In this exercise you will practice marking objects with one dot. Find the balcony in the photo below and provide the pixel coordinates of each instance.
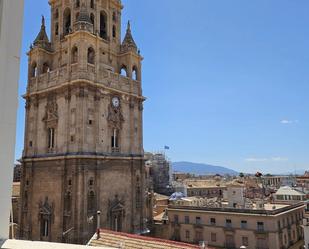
(71, 73)
(198, 226)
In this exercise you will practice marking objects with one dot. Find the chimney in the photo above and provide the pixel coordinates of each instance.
(98, 224)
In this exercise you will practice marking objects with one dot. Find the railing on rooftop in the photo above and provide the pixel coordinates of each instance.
(239, 210)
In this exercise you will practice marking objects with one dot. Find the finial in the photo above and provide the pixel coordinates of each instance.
(43, 20)
(129, 26)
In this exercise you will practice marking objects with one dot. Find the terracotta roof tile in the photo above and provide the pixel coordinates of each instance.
(130, 241)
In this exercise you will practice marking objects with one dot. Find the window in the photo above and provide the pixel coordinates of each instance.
(243, 224)
(260, 226)
(187, 219)
(198, 220)
(198, 236)
(34, 70)
(103, 25)
(77, 3)
(30, 144)
(45, 227)
(135, 73)
(92, 18)
(91, 55)
(56, 15)
(228, 223)
(115, 139)
(213, 221)
(91, 182)
(114, 31)
(56, 29)
(90, 122)
(114, 16)
(213, 237)
(46, 68)
(187, 234)
(123, 71)
(74, 55)
(261, 243)
(279, 224)
(91, 201)
(245, 241)
(92, 4)
(26, 199)
(176, 219)
(66, 21)
(68, 202)
(51, 138)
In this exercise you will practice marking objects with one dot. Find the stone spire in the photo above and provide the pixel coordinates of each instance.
(42, 40)
(128, 43)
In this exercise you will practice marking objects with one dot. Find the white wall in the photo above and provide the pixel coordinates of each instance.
(11, 18)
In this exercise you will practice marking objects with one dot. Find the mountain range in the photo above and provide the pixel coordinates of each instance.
(201, 169)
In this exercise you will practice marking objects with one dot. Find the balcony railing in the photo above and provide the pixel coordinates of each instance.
(101, 76)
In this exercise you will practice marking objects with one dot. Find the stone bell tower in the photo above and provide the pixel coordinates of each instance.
(83, 148)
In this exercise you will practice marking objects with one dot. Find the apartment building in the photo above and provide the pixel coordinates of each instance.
(271, 227)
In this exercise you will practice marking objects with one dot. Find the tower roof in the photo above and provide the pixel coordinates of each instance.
(83, 15)
(42, 39)
(128, 43)
(83, 21)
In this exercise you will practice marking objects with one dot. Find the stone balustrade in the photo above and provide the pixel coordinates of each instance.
(73, 73)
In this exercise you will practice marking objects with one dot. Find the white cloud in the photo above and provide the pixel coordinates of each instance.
(288, 121)
(279, 159)
(254, 159)
(271, 159)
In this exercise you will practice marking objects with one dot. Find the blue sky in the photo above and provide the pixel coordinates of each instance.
(226, 82)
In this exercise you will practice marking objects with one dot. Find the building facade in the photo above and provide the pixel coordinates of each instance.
(274, 227)
(83, 149)
(159, 172)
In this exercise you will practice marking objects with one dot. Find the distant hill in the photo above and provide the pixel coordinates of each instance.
(201, 169)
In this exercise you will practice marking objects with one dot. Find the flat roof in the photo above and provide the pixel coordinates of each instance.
(268, 209)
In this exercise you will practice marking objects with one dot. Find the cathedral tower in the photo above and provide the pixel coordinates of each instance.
(83, 147)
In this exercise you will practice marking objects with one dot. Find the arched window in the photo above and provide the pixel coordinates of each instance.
(103, 25)
(34, 70)
(123, 71)
(68, 202)
(66, 21)
(46, 68)
(92, 4)
(26, 200)
(74, 55)
(135, 73)
(114, 31)
(92, 18)
(77, 3)
(91, 55)
(91, 201)
(56, 29)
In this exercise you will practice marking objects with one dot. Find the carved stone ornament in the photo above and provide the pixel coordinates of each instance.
(115, 117)
(46, 209)
(51, 114)
(116, 206)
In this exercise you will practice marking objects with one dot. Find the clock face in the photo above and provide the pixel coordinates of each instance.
(116, 102)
